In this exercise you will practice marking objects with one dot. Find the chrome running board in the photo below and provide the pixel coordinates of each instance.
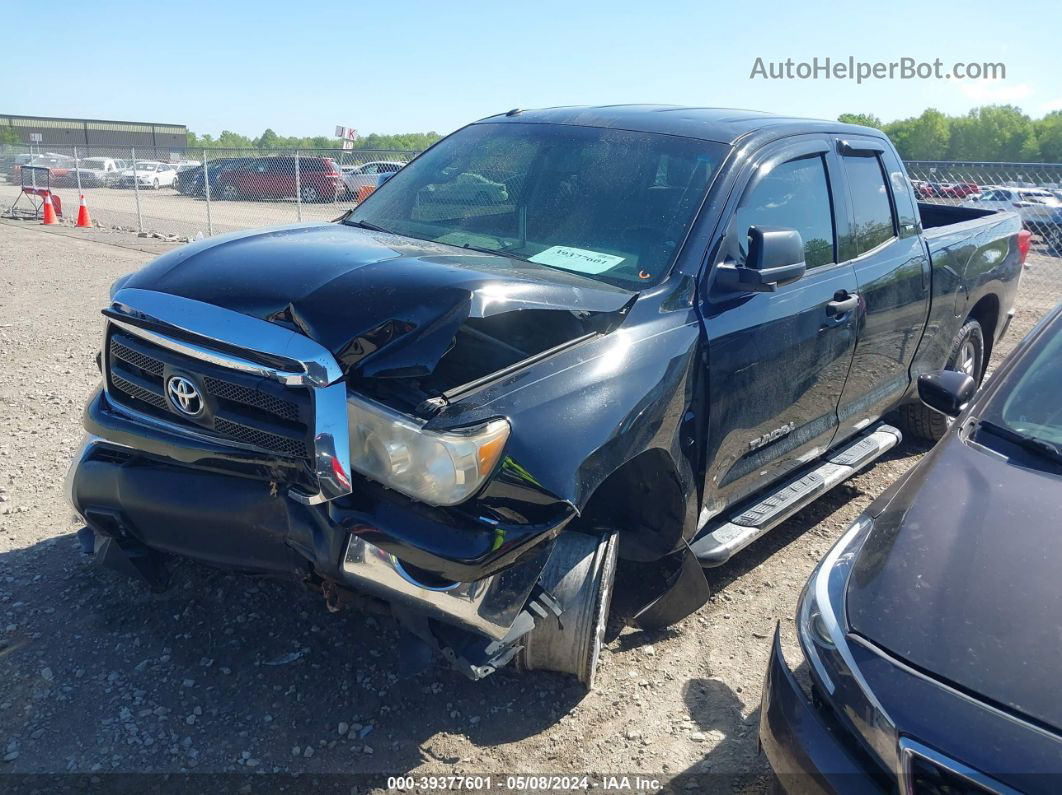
(718, 541)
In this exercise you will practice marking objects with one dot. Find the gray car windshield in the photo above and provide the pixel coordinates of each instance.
(613, 205)
(1029, 403)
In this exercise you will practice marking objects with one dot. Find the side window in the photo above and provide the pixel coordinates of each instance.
(902, 195)
(871, 208)
(794, 195)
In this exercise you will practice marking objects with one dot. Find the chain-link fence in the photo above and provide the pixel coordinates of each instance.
(1033, 190)
(191, 192)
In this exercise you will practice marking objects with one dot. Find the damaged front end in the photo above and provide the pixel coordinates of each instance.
(244, 442)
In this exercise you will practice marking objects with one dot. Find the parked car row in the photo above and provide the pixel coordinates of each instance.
(230, 178)
(944, 190)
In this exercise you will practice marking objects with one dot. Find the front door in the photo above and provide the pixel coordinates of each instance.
(777, 361)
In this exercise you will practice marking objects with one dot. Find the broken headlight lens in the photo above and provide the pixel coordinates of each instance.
(439, 468)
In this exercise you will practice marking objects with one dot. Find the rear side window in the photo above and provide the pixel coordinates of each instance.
(794, 195)
(871, 208)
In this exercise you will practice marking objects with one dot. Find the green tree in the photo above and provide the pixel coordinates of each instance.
(1049, 137)
(995, 133)
(9, 136)
(864, 119)
(268, 139)
(924, 137)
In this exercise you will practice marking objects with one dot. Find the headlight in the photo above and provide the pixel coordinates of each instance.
(822, 627)
(436, 468)
(820, 617)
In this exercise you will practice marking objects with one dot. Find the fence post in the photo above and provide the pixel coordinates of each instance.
(136, 193)
(206, 188)
(298, 188)
(77, 171)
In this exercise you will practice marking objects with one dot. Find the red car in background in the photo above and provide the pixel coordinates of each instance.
(274, 178)
(957, 190)
(58, 166)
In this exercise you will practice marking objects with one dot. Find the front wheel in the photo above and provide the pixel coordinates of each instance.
(155, 184)
(967, 356)
(579, 575)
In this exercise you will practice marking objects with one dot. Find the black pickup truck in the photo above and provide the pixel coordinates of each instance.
(561, 349)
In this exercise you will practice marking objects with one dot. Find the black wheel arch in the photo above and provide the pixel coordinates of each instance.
(651, 500)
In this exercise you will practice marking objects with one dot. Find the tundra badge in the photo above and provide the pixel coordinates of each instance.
(772, 436)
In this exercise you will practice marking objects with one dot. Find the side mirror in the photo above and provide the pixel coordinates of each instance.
(946, 391)
(776, 257)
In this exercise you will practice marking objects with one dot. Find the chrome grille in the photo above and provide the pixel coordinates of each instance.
(248, 410)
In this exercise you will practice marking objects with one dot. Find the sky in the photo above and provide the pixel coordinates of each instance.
(388, 67)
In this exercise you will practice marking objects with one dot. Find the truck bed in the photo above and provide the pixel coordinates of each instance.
(936, 216)
(972, 251)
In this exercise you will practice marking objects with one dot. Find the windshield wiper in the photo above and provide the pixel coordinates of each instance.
(496, 252)
(1042, 447)
(367, 225)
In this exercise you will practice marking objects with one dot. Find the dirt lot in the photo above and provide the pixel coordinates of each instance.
(230, 674)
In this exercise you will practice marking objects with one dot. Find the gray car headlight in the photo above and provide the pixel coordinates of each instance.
(820, 616)
(439, 468)
(823, 629)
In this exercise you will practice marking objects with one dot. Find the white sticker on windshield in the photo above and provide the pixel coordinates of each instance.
(577, 259)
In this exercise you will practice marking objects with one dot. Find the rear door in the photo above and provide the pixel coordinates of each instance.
(880, 237)
(777, 361)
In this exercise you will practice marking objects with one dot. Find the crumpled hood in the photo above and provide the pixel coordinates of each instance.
(385, 305)
(961, 578)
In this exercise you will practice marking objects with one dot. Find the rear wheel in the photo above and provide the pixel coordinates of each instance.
(967, 356)
(229, 192)
(309, 193)
(579, 574)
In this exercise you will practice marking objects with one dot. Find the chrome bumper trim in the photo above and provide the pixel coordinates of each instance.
(488, 606)
(315, 368)
(909, 749)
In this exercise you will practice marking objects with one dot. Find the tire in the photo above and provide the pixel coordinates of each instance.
(309, 193)
(229, 192)
(155, 183)
(967, 356)
(579, 573)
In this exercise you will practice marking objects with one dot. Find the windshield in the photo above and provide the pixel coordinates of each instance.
(611, 204)
(1028, 402)
(92, 162)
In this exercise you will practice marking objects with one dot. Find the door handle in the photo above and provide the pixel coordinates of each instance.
(842, 303)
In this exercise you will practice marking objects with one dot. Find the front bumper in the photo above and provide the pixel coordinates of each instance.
(808, 753)
(242, 523)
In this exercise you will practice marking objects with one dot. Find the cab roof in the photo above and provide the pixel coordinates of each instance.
(722, 125)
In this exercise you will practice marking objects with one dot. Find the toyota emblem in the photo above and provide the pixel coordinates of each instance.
(184, 396)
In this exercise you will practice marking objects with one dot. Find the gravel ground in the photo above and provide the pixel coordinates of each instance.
(234, 674)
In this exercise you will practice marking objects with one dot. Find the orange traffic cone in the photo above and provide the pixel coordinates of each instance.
(82, 214)
(49, 210)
